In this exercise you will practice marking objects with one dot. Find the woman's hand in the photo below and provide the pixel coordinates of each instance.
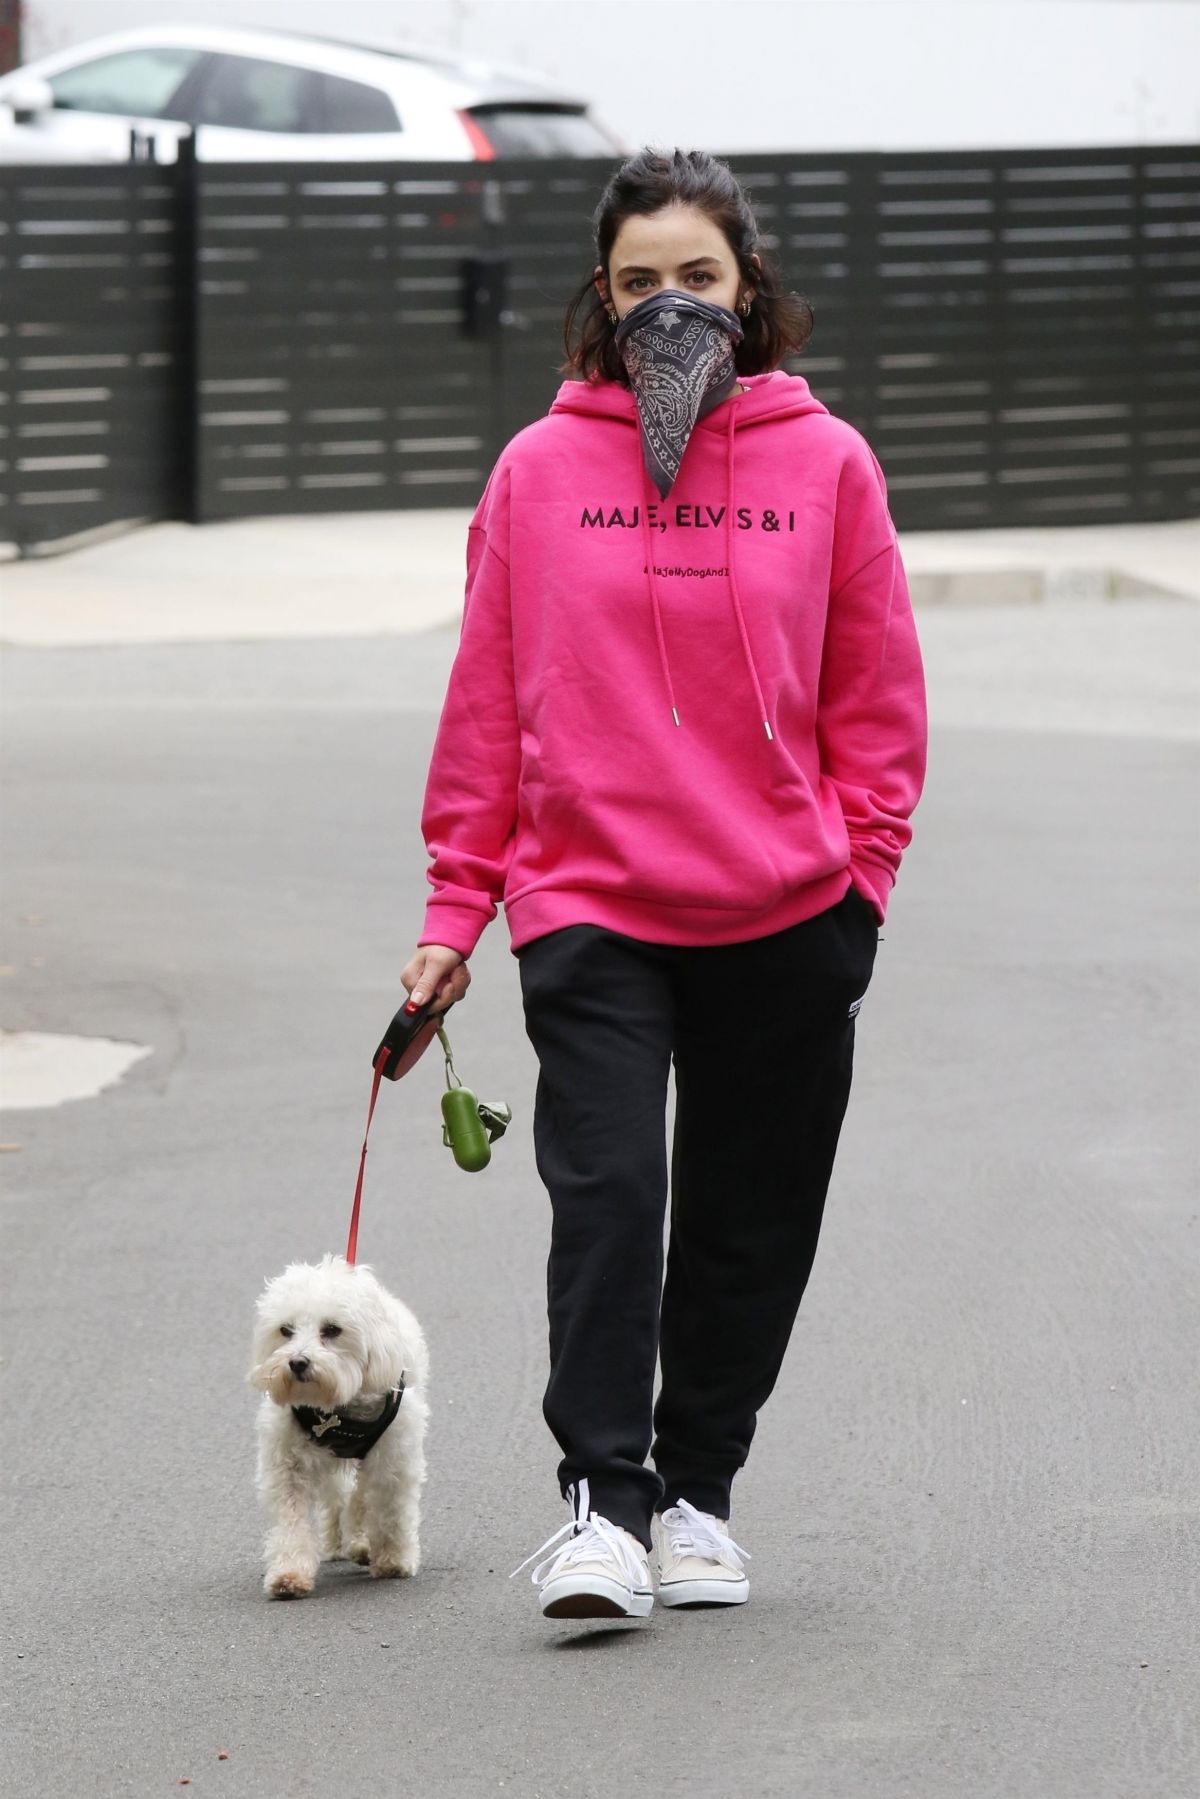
(435, 969)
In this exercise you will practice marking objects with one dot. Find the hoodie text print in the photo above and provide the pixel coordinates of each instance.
(692, 720)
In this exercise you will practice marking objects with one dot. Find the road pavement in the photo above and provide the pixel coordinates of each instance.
(973, 1500)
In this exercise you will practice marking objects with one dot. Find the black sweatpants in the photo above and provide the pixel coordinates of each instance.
(762, 1036)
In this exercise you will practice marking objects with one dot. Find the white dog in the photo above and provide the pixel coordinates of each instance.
(343, 1366)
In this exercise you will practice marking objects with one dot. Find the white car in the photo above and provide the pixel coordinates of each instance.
(274, 96)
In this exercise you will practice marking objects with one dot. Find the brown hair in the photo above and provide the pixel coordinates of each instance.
(778, 323)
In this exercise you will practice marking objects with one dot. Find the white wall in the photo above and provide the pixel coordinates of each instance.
(782, 74)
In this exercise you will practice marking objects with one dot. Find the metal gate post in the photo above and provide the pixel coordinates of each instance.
(190, 451)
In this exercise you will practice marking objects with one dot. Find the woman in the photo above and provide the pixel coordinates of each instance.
(682, 739)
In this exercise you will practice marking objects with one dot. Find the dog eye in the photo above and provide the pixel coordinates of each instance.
(285, 1330)
(331, 1330)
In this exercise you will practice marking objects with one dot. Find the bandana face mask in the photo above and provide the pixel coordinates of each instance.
(678, 351)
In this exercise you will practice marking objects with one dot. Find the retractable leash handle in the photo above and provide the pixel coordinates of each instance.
(408, 1037)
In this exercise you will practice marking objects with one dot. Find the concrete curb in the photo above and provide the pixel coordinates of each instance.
(387, 573)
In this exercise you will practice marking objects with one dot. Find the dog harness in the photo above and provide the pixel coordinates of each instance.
(348, 1438)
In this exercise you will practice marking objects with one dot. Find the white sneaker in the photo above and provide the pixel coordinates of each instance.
(698, 1561)
(601, 1571)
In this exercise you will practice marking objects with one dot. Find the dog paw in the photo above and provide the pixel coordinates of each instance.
(357, 1552)
(396, 1567)
(288, 1583)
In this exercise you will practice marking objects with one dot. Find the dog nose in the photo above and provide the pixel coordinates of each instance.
(300, 1366)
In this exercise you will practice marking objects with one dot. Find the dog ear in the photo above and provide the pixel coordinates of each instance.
(258, 1374)
(384, 1344)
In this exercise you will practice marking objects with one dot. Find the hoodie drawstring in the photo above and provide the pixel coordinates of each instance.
(658, 624)
(747, 652)
(737, 604)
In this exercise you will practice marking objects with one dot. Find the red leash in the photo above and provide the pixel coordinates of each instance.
(407, 1038)
(352, 1244)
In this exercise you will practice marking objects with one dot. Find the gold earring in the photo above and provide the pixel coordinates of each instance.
(612, 318)
(744, 309)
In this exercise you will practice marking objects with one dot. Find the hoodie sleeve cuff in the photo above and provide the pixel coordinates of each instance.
(874, 883)
(458, 927)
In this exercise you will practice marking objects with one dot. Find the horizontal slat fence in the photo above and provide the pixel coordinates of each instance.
(1016, 333)
(332, 367)
(94, 345)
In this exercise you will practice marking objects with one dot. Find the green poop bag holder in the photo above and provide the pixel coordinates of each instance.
(469, 1126)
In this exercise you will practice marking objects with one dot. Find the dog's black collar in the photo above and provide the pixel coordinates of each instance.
(349, 1438)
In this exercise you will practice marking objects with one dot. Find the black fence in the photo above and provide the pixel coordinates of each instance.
(95, 301)
(1016, 333)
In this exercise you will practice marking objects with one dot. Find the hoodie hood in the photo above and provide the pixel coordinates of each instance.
(769, 397)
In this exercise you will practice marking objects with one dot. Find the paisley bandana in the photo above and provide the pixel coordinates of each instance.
(678, 351)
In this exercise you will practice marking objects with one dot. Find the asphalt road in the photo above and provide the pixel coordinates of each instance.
(973, 1500)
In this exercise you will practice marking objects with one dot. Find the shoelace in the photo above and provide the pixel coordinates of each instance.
(697, 1533)
(589, 1535)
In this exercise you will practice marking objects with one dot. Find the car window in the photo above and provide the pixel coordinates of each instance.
(251, 94)
(534, 131)
(353, 106)
(140, 82)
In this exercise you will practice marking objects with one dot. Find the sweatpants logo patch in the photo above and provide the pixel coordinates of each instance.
(854, 1008)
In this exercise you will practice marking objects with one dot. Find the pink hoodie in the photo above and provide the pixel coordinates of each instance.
(694, 720)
